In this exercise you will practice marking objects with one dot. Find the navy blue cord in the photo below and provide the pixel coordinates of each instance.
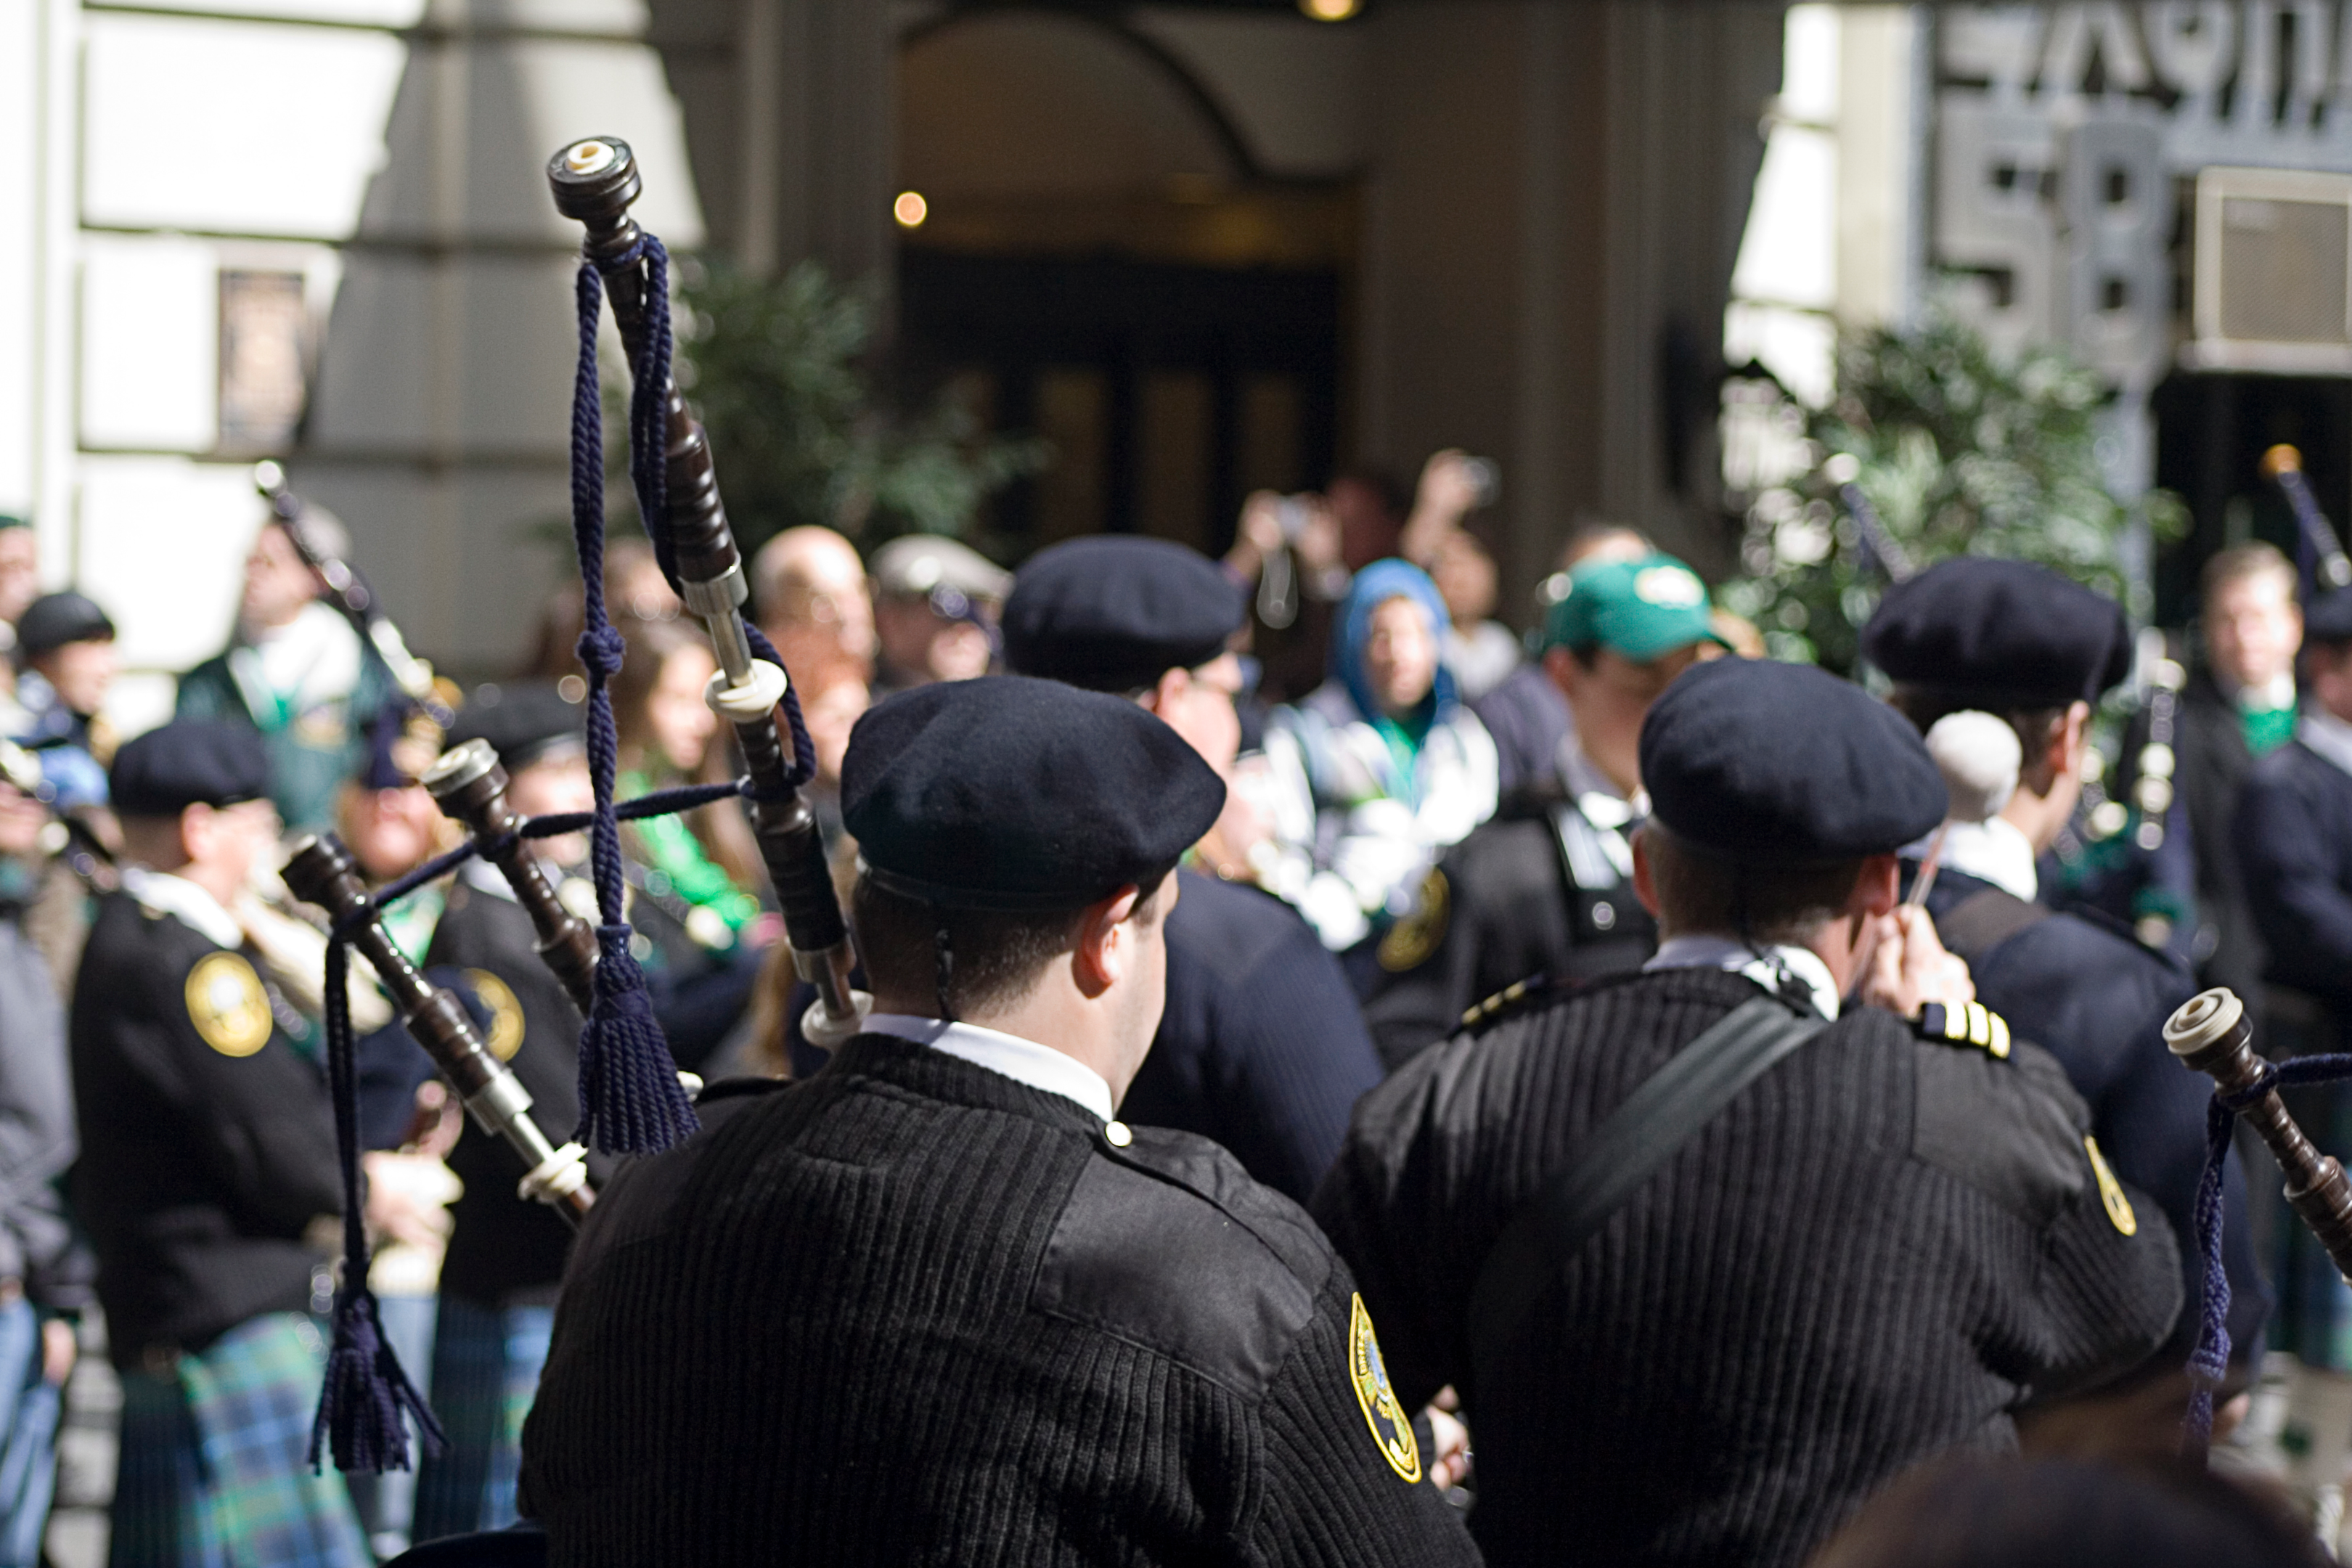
(2209, 1361)
(367, 1400)
(630, 1099)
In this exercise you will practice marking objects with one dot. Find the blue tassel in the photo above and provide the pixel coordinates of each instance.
(367, 1394)
(630, 1099)
(368, 1401)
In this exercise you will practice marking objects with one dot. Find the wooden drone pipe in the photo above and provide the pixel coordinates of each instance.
(2210, 1033)
(470, 788)
(323, 872)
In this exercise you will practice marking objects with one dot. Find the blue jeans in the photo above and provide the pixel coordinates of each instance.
(29, 1408)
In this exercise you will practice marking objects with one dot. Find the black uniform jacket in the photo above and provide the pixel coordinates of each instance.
(1540, 892)
(505, 1248)
(1882, 1247)
(207, 1140)
(2096, 1000)
(2294, 841)
(1262, 1048)
(914, 1312)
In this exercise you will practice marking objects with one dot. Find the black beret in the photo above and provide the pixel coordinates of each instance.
(186, 763)
(1783, 764)
(2329, 618)
(1116, 614)
(1019, 796)
(2002, 633)
(54, 620)
(524, 720)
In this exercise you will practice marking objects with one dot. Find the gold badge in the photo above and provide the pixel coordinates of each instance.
(505, 1012)
(1391, 1427)
(227, 1005)
(1412, 940)
(2111, 1192)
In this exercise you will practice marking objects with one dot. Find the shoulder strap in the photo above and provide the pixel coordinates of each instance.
(1982, 921)
(1662, 1113)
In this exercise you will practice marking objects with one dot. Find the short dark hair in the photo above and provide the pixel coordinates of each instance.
(1702, 893)
(995, 958)
(2239, 563)
(2036, 727)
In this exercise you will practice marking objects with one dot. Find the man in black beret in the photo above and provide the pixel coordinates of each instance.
(2024, 644)
(935, 1304)
(208, 1179)
(1713, 1249)
(1261, 1048)
(2293, 846)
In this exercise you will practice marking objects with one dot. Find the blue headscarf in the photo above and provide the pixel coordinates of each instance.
(1375, 585)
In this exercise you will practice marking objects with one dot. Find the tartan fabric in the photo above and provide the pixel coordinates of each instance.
(486, 1365)
(2313, 1320)
(213, 1470)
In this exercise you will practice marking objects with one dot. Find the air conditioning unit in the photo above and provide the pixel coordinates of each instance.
(2274, 279)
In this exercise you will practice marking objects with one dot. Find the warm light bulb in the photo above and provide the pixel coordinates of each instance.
(910, 209)
(1330, 10)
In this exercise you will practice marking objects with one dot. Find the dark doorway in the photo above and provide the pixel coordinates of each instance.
(1167, 392)
(2212, 431)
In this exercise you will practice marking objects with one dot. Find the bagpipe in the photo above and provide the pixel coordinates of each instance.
(632, 1098)
(69, 836)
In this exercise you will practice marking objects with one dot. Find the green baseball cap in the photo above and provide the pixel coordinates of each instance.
(1641, 609)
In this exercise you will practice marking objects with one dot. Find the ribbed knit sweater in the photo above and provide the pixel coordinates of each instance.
(1877, 1252)
(913, 1312)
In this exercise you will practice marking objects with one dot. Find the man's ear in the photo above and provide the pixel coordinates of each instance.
(1161, 699)
(2066, 745)
(1565, 672)
(1646, 881)
(1104, 952)
(1878, 888)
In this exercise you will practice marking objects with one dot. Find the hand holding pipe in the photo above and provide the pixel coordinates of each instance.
(595, 181)
(2210, 1033)
(323, 872)
(2283, 466)
(83, 851)
(470, 788)
(351, 596)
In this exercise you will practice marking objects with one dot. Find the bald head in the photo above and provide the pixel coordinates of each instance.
(812, 594)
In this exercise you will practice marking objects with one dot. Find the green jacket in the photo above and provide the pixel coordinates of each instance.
(311, 752)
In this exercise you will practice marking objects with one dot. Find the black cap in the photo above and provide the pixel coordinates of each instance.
(2000, 633)
(54, 620)
(1783, 764)
(1116, 614)
(189, 762)
(2329, 618)
(1019, 796)
(524, 720)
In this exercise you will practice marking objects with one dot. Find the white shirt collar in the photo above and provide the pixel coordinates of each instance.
(164, 894)
(1023, 1061)
(2327, 735)
(1764, 965)
(1995, 851)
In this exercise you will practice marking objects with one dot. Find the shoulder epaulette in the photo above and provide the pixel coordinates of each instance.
(1968, 1023)
(1510, 1000)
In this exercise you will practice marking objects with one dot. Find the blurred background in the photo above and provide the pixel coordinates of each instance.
(1027, 271)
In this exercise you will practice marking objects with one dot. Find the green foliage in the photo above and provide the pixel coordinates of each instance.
(1959, 451)
(774, 366)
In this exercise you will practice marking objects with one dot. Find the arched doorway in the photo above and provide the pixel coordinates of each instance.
(1101, 262)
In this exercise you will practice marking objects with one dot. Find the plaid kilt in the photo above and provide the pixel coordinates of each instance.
(215, 1470)
(486, 1365)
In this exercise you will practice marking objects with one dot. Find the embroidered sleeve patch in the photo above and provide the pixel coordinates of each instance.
(1391, 1427)
(227, 1005)
(1412, 939)
(505, 1012)
(2111, 1192)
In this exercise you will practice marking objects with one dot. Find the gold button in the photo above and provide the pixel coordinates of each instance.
(1117, 1135)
